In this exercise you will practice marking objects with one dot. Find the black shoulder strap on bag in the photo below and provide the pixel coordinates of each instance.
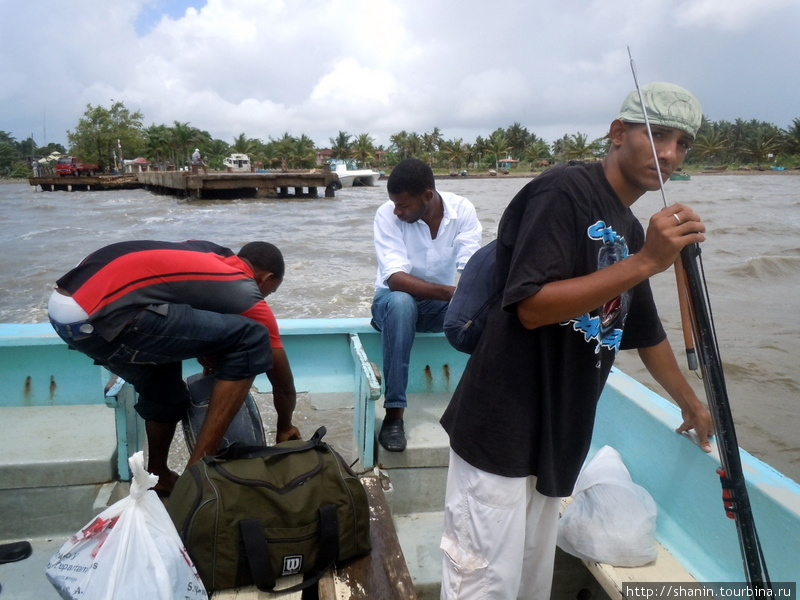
(236, 452)
(257, 551)
(255, 547)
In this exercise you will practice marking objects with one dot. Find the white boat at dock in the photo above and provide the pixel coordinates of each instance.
(350, 175)
(237, 163)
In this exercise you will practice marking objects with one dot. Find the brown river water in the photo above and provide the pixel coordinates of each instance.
(751, 260)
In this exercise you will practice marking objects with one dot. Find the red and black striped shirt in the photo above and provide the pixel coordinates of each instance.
(115, 282)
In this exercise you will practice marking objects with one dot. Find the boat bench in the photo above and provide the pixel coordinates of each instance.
(380, 574)
(612, 579)
(58, 444)
(55, 463)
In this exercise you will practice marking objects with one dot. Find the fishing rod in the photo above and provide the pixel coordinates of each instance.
(693, 294)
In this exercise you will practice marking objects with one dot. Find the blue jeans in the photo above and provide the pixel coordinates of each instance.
(398, 316)
(149, 352)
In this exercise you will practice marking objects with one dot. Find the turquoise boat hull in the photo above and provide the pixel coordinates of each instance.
(342, 357)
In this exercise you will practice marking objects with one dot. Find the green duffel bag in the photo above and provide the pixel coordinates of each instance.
(253, 514)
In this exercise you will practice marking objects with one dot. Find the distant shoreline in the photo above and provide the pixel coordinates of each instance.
(532, 174)
(692, 173)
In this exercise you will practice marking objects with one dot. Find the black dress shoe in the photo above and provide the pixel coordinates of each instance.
(14, 551)
(392, 436)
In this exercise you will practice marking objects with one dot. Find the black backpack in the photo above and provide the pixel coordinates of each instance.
(466, 315)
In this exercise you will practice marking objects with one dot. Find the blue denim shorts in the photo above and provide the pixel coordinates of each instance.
(150, 350)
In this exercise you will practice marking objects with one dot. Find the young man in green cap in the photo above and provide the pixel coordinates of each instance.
(573, 262)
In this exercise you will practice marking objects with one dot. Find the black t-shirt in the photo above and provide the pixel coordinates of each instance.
(526, 402)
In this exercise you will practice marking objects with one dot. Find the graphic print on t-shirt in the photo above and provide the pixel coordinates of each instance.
(605, 328)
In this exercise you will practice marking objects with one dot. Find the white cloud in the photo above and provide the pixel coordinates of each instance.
(731, 15)
(264, 67)
(349, 84)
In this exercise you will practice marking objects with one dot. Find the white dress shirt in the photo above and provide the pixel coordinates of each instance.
(408, 247)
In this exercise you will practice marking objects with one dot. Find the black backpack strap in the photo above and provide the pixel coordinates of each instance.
(328, 540)
(255, 547)
(236, 451)
(257, 553)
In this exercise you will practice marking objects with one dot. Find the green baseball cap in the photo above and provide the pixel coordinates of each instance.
(667, 104)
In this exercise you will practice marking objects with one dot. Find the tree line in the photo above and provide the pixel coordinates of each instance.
(104, 135)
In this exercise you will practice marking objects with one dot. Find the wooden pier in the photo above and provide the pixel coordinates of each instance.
(213, 185)
(240, 185)
(56, 183)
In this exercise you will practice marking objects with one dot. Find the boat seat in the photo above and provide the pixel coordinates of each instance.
(54, 460)
(613, 579)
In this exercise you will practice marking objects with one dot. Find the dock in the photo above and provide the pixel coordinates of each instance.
(211, 185)
(56, 183)
(239, 185)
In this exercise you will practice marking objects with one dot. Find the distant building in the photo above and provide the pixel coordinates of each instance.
(137, 165)
(324, 156)
(507, 163)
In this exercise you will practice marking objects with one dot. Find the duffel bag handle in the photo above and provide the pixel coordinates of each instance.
(236, 452)
(257, 551)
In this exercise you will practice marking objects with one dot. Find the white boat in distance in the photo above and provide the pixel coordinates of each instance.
(350, 176)
(237, 162)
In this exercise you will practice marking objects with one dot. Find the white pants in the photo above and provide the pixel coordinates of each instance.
(499, 538)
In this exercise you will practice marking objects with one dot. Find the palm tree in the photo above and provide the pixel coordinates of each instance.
(363, 149)
(577, 147)
(283, 149)
(518, 138)
(341, 145)
(400, 142)
(536, 151)
(478, 150)
(414, 145)
(157, 144)
(497, 144)
(267, 154)
(243, 145)
(302, 152)
(407, 145)
(761, 144)
(216, 151)
(561, 148)
(599, 147)
(455, 151)
(431, 143)
(183, 136)
(792, 138)
(711, 144)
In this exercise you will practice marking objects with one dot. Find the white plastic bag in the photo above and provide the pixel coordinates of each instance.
(610, 519)
(131, 551)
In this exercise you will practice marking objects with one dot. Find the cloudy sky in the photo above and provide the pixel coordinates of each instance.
(317, 67)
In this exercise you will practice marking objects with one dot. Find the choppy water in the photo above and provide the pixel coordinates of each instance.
(751, 259)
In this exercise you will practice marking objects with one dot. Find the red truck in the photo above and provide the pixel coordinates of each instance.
(69, 165)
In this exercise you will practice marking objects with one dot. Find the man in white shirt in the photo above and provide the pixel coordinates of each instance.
(421, 238)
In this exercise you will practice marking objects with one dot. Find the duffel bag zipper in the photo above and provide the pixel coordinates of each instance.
(293, 484)
(187, 525)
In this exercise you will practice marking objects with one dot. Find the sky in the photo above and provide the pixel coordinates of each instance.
(318, 67)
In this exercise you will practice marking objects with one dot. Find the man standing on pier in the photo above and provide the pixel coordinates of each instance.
(140, 308)
(422, 237)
